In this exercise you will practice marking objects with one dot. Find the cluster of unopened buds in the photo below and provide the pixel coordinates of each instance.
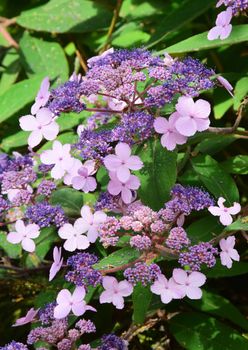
(110, 91)
(223, 26)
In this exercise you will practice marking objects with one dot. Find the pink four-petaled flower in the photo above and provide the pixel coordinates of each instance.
(171, 137)
(223, 212)
(228, 253)
(29, 317)
(68, 302)
(122, 162)
(57, 262)
(59, 157)
(191, 116)
(223, 27)
(84, 180)
(167, 289)
(126, 189)
(89, 223)
(189, 282)
(24, 235)
(74, 237)
(115, 291)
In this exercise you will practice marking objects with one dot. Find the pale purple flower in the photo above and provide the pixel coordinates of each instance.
(167, 289)
(94, 59)
(220, 2)
(191, 116)
(72, 172)
(171, 137)
(168, 60)
(68, 302)
(60, 157)
(228, 253)
(116, 105)
(126, 189)
(223, 27)
(225, 83)
(115, 291)
(24, 235)
(89, 223)
(13, 192)
(223, 212)
(42, 96)
(122, 162)
(29, 317)
(83, 180)
(189, 282)
(42, 126)
(73, 234)
(57, 262)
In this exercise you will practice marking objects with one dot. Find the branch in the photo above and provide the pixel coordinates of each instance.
(8, 37)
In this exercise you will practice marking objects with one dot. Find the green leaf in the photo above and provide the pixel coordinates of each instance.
(12, 67)
(13, 250)
(215, 143)
(130, 34)
(118, 258)
(196, 331)
(200, 41)
(240, 91)
(223, 101)
(204, 229)
(238, 268)
(217, 305)
(43, 57)
(18, 96)
(186, 12)
(240, 224)
(236, 165)
(135, 10)
(142, 297)
(215, 179)
(67, 137)
(61, 16)
(158, 174)
(69, 199)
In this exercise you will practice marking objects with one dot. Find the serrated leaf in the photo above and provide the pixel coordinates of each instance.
(43, 57)
(216, 180)
(196, 331)
(61, 16)
(158, 174)
(217, 305)
(200, 41)
(118, 258)
(142, 297)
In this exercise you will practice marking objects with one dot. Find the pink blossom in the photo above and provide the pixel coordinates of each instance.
(228, 252)
(60, 157)
(167, 289)
(24, 235)
(171, 137)
(122, 162)
(191, 116)
(168, 60)
(73, 234)
(220, 2)
(42, 126)
(30, 316)
(225, 83)
(42, 96)
(223, 212)
(94, 59)
(223, 27)
(57, 262)
(189, 282)
(90, 222)
(115, 291)
(116, 187)
(116, 105)
(72, 172)
(68, 302)
(83, 180)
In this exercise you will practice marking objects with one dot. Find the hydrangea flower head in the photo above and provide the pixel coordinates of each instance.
(57, 262)
(192, 116)
(228, 253)
(115, 291)
(223, 27)
(59, 157)
(41, 126)
(122, 162)
(189, 282)
(73, 234)
(223, 212)
(68, 302)
(24, 235)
